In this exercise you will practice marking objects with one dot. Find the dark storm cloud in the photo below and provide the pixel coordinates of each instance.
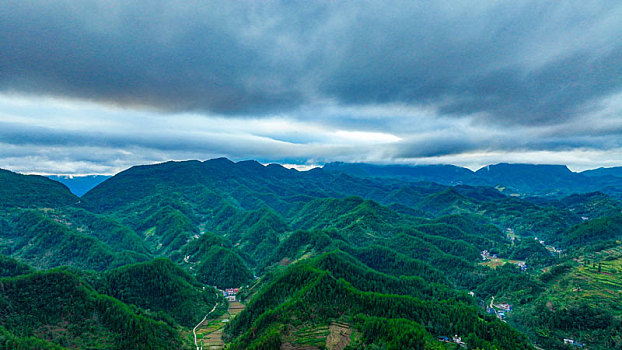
(553, 93)
(170, 56)
(502, 61)
(531, 63)
(455, 143)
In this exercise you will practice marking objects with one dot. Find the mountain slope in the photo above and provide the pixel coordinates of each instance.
(534, 178)
(442, 174)
(597, 230)
(55, 306)
(45, 243)
(305, 296)
(160, 286)
(10, 267)
(613, 171)
(30, 191)
(214, 261)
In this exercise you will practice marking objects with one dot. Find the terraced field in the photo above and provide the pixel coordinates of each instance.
(306, 338)
(336, 336)
(602, 279)
(209, 333)
(597, 280)
(235, 307)
(583, 303)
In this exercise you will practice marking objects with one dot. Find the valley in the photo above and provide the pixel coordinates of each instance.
(209, 332)
(225, 255)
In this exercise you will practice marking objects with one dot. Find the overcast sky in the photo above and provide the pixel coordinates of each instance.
(93, 87)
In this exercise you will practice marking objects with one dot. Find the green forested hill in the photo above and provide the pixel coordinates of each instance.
(214, 262)
(318, 292)
(10, 267)
(45, 242)
(32, 191)
(161, 287)
(138, 306)
(580, 300)
(105, 228)
(325, 256)
(590, 205)
(55, 306)
(257, 231)
(605, 229)
(246, 185)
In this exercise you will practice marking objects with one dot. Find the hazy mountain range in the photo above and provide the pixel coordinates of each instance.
(518, 179)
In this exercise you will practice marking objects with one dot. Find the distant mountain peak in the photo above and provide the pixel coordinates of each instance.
(250, 164)
(219, 161)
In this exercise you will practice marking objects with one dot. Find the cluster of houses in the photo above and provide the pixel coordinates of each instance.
(455, 339)
(549, 248)
(230, 293)
(510, 234)
(573, 343)
(487, 256)
(500, 310)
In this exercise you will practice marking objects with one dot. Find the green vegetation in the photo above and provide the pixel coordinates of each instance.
(392, 333)
(104, 228)
(590, 205)
(581, 301)
(32, 191)
(223, 268)
(594, 231)
(533, 252)
(10, 341)
(365, 258)
(258, 231)
(214, 262)
(168, 229)
(10, 267)
(162, 288)
(47, 242)
(304, 295)
(55, 306)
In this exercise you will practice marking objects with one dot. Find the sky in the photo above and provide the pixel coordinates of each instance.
(94, 87)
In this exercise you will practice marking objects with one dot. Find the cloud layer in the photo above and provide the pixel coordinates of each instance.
(305, 82)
